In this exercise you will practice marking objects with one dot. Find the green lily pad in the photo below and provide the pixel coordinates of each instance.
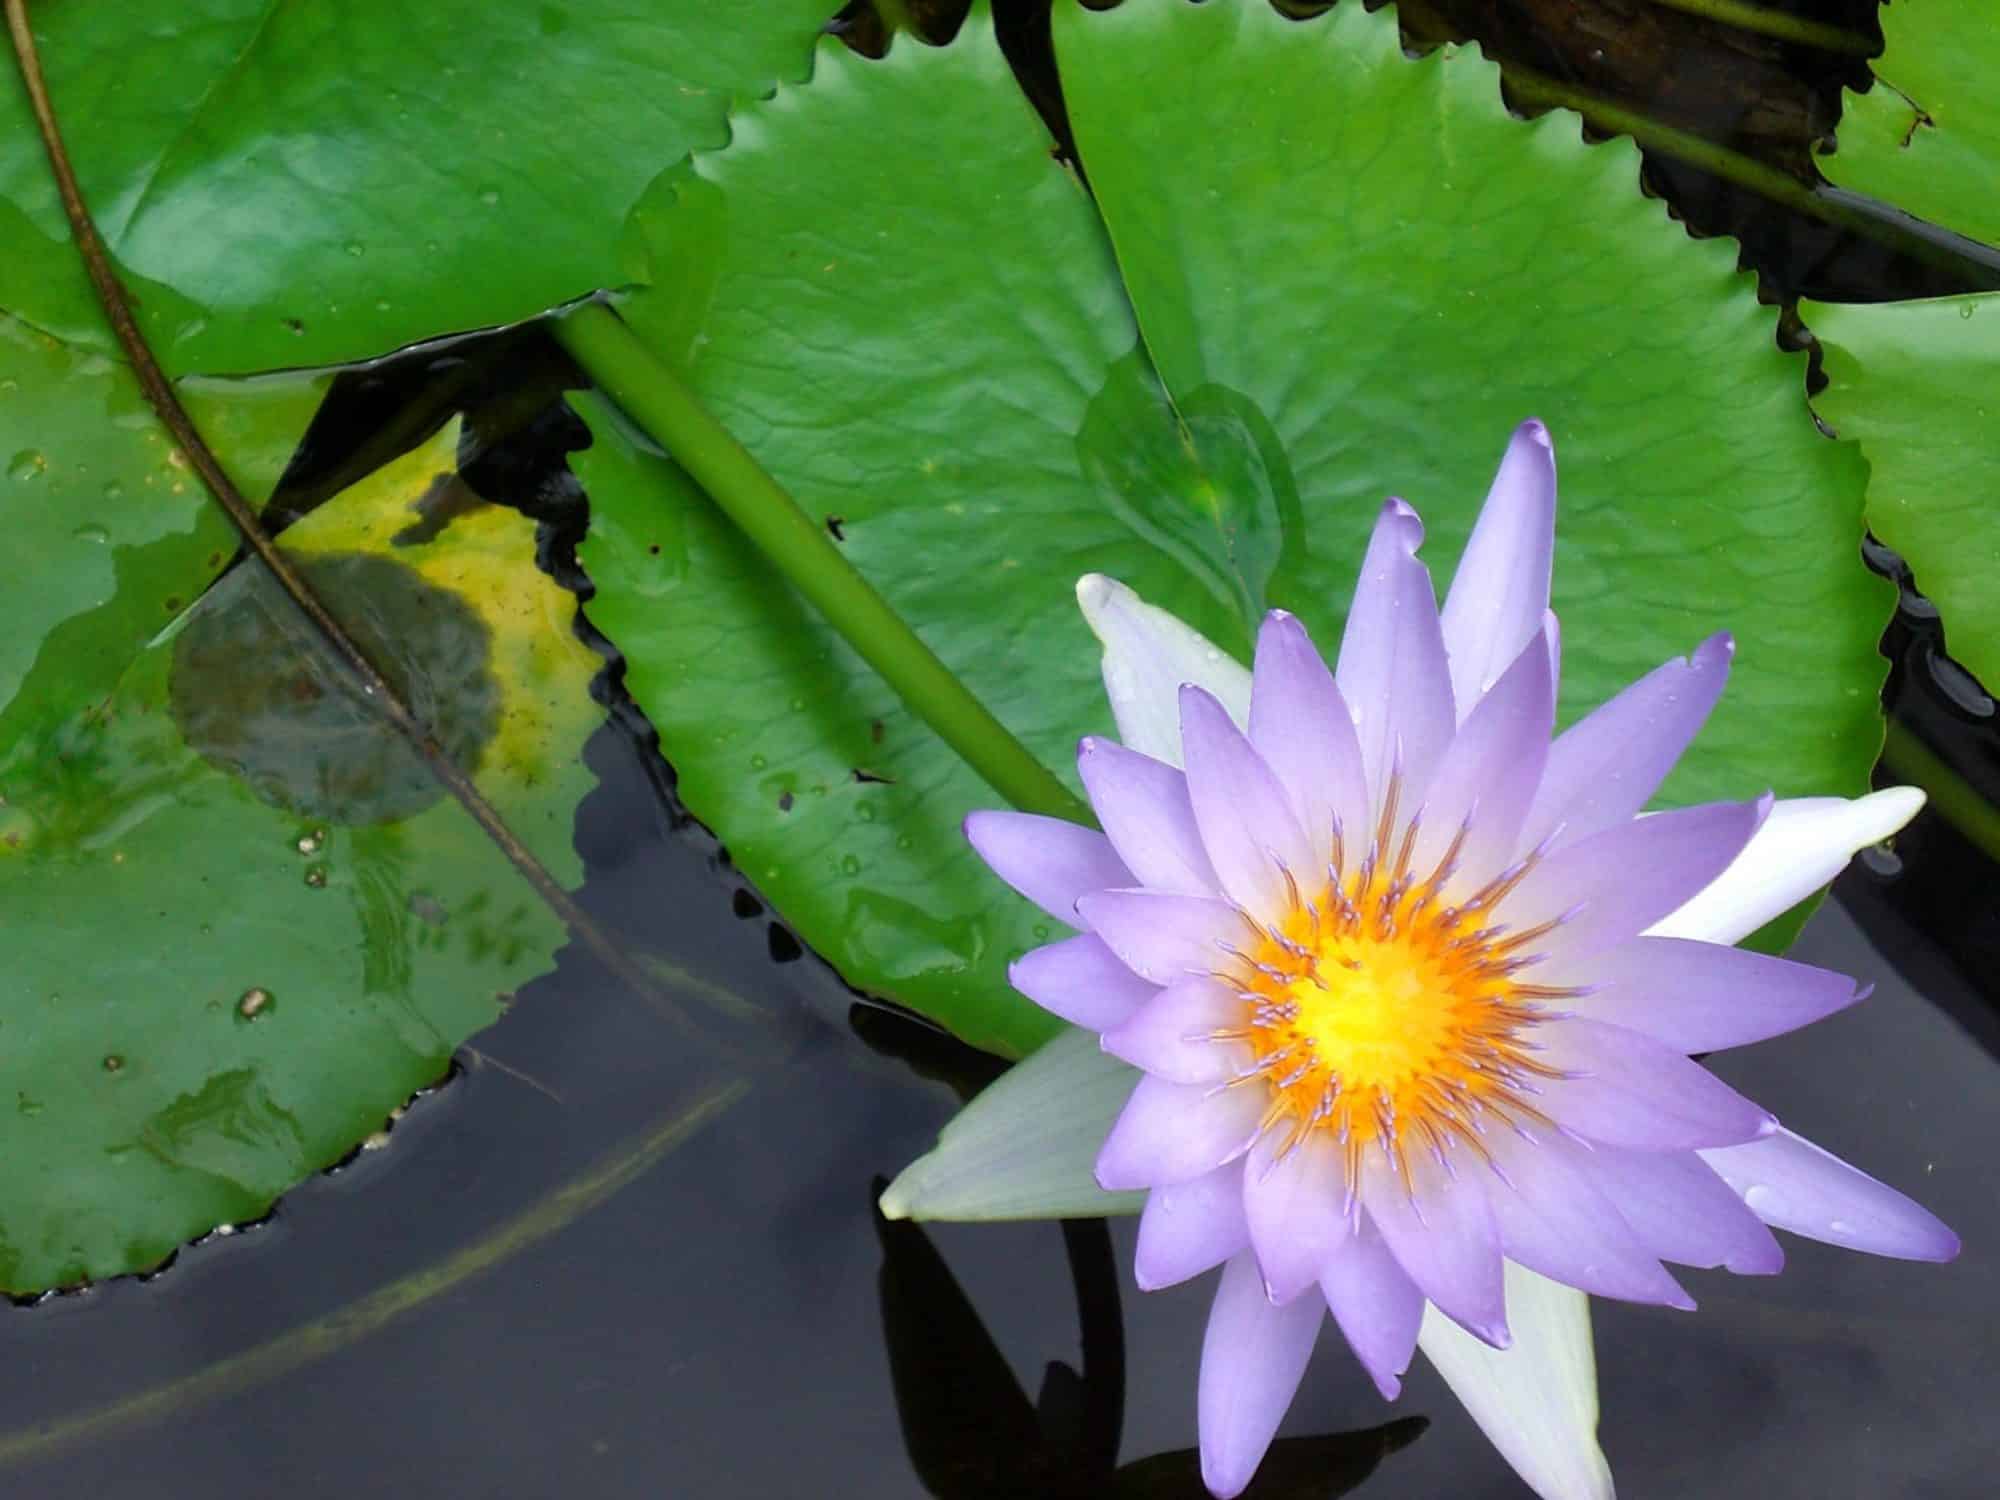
(241, 930)
(1917, 385)
(299, 185)
(1354, 274)
(1926, 137)
(115, 531)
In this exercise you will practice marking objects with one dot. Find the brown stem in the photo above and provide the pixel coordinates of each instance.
(166, 404)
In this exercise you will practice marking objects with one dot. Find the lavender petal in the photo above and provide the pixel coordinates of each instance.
(1683, 1212)
(1048, 860)
(1148, 820)
(1300, 724)
(1175, 1132)
(1293, 1202)
(1792, 1184)
(1613, 885)
(1501, 588)
(1445, 1239)
(1488, 774)
(1252, 1359)
(1190, 1227)
(1702, 997)
(1607, 765)
(1393, 672)
(1246, 820)
(1164, 937)
(1554, 1220)
(1082, 981)
(1379, 1309)
(1626, 1089)
(1168, 1036)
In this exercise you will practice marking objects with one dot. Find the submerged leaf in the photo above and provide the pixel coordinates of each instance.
(1333, 311)
(229, 956)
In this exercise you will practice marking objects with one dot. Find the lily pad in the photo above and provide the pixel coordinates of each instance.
(116, 531)
(229, 958)
(1354, 274)
(1917, 385)
(1925, 136)
(299, 185)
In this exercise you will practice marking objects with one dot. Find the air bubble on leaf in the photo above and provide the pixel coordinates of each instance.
(255, 1002)
(850, 865)
(316, 877)
(27, 464)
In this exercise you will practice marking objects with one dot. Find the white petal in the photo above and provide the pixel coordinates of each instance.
(1148, 654)
(1537, 1401)
(1802, 845)
(1025, 1147)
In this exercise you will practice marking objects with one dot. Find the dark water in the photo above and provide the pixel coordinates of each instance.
(733, 1321)
(604, 1261)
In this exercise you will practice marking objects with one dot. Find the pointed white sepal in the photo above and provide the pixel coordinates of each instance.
(1536, 1400)
(1801, 846)
(1148, 655)
(1025, 1147)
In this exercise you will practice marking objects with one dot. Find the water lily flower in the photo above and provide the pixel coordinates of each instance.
(1411, 992)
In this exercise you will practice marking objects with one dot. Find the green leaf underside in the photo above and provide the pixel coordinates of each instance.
(1340, 309)
(297, 185)
(1917, 385)
(1926, 137)
(182, 842)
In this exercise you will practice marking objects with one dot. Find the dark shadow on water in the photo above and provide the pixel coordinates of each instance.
(973, 1434)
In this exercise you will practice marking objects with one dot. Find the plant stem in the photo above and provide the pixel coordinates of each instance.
(655, 396)
(1957, 801)
(1761, 19)
(1979, 263)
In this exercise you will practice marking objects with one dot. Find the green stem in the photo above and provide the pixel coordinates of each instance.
(1908, 758)
(1761, 19)
(1848, 211)
(654, 395)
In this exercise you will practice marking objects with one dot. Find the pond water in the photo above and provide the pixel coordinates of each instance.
(605, 1258)
(729, 1318)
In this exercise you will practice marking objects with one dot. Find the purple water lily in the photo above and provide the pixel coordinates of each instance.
(1412, 989)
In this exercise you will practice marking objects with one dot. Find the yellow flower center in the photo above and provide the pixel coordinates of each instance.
(1385, 1017)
